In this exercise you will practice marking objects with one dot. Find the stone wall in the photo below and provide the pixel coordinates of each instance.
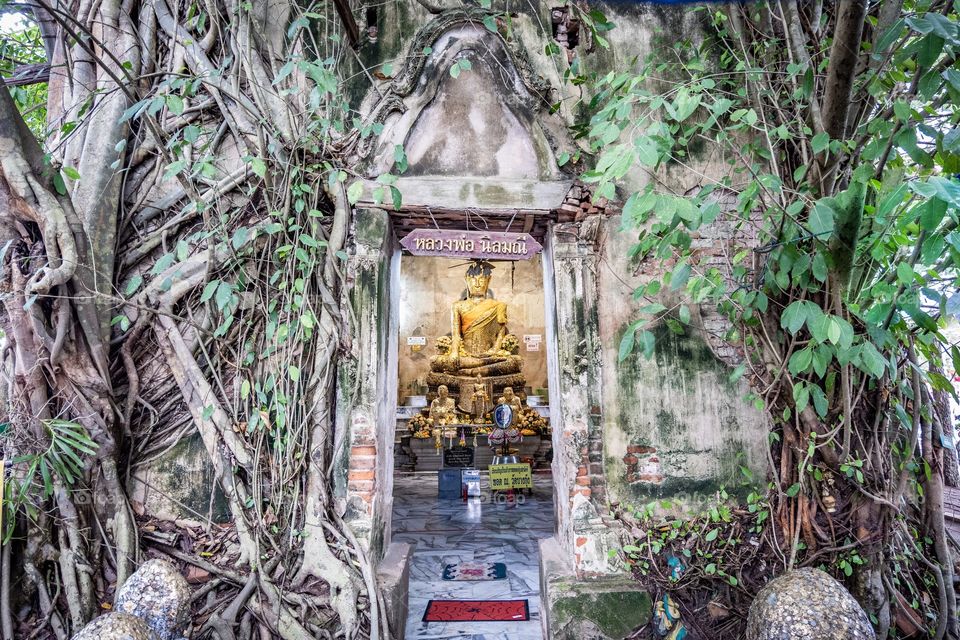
(430, 286)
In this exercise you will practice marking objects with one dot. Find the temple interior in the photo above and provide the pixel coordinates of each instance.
(472, 337)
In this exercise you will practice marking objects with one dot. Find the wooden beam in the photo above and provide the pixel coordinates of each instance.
(349, 23)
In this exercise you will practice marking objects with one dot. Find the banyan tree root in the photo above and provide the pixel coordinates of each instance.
(136, 295)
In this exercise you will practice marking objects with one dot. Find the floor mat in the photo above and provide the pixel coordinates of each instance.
(477, 611)
(475, 571)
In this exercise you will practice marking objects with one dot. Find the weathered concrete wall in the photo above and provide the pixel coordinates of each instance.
(430, 286)
(675, 426)
(366, 391)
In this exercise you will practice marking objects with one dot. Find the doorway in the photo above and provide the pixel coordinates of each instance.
(483, 547)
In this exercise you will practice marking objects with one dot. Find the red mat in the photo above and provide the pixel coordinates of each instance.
(477, 611)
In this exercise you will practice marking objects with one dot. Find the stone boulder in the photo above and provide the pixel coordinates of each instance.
(807, 604)
(157, 594)
(117, 626)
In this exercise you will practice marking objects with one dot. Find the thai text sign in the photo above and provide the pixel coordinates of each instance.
(510, 476)
(485, 245)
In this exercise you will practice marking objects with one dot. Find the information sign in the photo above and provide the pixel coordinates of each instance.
(510, 476)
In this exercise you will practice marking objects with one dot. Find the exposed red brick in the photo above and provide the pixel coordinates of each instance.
(360, 485)
(363, 462)
(581, 541)
(630, 459)
(639, 448)
(361, 475)
(363, 451)
(583, 480)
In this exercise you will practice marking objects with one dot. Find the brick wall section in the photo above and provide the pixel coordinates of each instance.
(714, 246)
(579, 204)
(594, 462)
(362, 472)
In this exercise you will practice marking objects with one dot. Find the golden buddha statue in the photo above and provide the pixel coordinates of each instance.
(479, 327)
(443, 410)
(479, 401)
(479, 345)
(512, 399)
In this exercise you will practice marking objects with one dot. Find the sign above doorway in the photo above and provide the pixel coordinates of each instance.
(480, 245)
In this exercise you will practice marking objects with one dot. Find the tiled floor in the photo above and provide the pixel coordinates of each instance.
(448, 531)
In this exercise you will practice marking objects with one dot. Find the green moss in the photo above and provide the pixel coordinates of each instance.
(371, 227)
(188, 459)
(615, 613)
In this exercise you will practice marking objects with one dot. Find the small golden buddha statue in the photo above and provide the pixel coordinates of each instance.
(478, 330)
(512, 399)
(443, 410)
(479, 401)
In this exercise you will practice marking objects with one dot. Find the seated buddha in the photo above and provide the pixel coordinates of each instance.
(478, 332)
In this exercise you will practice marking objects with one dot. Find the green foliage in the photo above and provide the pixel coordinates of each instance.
(879, 238)
(20, 44)
(59, 464)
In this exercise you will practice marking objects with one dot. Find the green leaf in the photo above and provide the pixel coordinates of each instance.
(801, 396)
(490, 23)
(71, 173)
(905, 274)
(134, 283)
(627, 342)
(680, 276)
(240, 237)
(711, 535)
(821, 220)
(209, 290)
(162, 263)
(793, 490)
(737, 373)
(223, 294)
(834, 330)
(800, 361)
(871, 361)
(174, 104)
(794, 316)
(258, 166)
(819, 268)
(647, 343)
(820, 142)
(354, 191)
(59, 184)
(647, 151)
(294, 373)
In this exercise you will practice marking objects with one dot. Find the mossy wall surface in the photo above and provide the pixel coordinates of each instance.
(181, 484)
(675, 425)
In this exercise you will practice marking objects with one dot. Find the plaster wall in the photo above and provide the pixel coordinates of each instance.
(675, 425)
(429, 287)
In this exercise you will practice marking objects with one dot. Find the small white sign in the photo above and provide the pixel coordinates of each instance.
(417, 341)
(533, 341)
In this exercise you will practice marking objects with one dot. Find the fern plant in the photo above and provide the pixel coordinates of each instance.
(61, 461)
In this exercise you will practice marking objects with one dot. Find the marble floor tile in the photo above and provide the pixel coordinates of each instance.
(449, 531)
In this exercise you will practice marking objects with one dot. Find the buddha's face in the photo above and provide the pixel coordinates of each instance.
(508, 394)
(477, 285)
(442, 391)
